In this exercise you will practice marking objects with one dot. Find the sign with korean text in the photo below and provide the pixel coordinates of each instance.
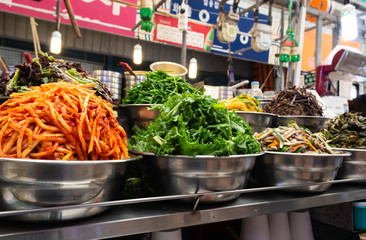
(167, 31)
(101, 15)
(207, 11)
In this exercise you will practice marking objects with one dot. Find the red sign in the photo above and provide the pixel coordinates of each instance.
(102, 15)
(167, 31)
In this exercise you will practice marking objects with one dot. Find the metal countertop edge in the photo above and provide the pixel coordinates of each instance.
(123, 220)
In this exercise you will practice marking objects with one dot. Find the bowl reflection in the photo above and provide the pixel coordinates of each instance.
(29, 184)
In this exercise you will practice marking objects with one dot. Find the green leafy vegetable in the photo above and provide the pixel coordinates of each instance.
(191, 124)
(157, 88)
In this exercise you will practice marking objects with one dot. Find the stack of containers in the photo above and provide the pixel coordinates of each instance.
(112, 81)
(131, 80)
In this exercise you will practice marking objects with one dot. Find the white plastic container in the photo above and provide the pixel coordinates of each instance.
(175, 234)
(300, 225)
(255, 91)
(255, 228)
(279, 227)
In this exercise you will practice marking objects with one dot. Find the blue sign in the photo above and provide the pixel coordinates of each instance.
(207, 11)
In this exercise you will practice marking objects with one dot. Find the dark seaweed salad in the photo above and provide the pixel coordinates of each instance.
(48, 69)
(347, 130)
(191, 124)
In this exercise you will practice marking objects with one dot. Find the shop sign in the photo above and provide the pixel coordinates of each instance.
(101, 15)
(207, 11)
(167, 31)
(309, 79)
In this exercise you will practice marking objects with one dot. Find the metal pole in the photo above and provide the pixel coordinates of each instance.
(183, 55)
(247, 10)
(314, 27)
(300, 29)
(318, 41)
(335, 35)
(280, 83)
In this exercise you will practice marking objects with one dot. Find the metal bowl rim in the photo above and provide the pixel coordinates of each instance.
(137, 105)
(72, 162)
(198, 156)
(255, 113)
(355, 163)
(350, 149)
(302, 116)
(152, 65)
(345, 154)
(138, 72)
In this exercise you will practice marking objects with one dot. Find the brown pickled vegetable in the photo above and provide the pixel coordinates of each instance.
(294, 101)
(346, 131)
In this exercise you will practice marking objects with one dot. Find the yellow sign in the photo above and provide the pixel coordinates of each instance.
(321, 5)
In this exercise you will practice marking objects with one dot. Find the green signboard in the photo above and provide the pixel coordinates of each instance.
(309, 79)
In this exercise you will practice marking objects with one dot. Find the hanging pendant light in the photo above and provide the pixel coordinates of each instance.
(192, 69)
(137, 54)
(56, 42)
(349, 29)
(56, 37)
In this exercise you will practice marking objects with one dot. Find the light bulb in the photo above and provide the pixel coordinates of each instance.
(137, 54)
(192, 70)
(56, 42)
(349, 28)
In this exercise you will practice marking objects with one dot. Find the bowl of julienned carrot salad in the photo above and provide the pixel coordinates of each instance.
(60, 144)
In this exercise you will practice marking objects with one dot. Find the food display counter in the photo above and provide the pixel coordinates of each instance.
(150, 215)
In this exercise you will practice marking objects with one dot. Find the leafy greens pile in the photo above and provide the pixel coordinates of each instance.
(191, 124)
(347, 130)
(48, 69)
(158, 87)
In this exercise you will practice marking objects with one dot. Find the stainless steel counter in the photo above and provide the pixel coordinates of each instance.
(153, 216)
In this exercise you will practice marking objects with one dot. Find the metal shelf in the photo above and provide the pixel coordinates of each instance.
(154, 216)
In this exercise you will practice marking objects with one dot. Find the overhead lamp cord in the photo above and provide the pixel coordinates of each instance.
(58, 15)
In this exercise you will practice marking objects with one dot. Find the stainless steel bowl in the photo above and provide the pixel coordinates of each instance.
(286, 169)
(29, 184)
(354, 166)
(170, 175)
(130, 115)
(112, 80)
(131, 80)
(257, 120)
(172, 68)
(263, 102)
(313, 123)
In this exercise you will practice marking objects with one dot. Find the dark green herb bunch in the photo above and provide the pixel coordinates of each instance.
(191, 124)
(157, 88)
(347, 130)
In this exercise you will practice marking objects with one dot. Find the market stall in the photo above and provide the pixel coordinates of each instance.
(102, 154)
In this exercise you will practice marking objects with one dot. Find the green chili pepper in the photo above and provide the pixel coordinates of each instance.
(278, 135)
(299, 149)
(284, 149)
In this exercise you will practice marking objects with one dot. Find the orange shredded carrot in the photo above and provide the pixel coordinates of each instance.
(297, 147)
(60, 121)
(275, 143)
(311, 145)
